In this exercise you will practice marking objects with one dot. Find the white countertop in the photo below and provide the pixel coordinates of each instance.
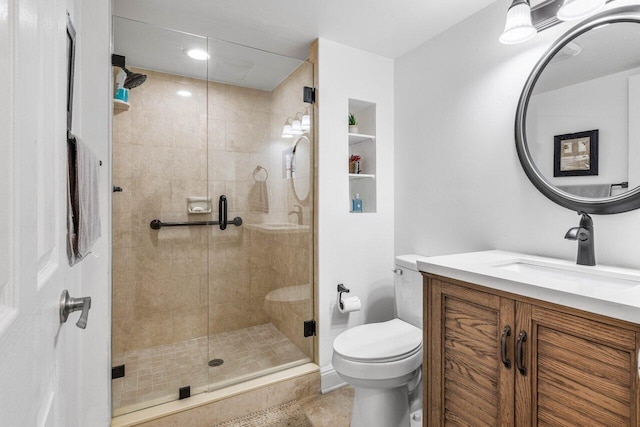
(609, 291)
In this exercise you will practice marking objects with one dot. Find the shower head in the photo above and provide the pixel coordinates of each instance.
(133, 79)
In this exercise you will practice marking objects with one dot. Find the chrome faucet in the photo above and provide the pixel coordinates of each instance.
(584, 235)
(298, 212)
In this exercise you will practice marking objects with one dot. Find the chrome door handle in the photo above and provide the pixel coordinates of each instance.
(69, 305)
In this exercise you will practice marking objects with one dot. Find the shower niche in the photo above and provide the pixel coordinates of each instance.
(198, 306)
(362, 146)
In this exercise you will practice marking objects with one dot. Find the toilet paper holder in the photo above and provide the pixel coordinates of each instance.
(341, 289)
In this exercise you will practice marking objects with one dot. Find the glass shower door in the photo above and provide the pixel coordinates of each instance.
(160, 291)
(260, 273)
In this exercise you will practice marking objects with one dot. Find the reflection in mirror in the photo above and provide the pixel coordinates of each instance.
(301, 165)
(591, 83)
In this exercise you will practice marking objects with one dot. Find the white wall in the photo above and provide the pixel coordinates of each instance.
(354, 249)
(459, 184)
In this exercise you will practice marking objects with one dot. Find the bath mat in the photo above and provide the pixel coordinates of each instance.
(287, 415)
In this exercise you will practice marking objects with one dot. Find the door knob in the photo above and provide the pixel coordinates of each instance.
(69, 305)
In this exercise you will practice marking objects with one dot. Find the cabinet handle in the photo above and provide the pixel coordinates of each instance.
(506, 332)
(522, 338)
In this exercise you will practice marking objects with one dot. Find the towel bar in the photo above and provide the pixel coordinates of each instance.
(156, 224)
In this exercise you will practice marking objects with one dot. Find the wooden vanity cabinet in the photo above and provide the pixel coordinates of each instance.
(575, 369)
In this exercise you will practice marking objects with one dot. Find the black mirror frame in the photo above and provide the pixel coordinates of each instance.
(616, 204)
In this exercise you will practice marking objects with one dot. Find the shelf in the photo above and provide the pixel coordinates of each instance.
(356, 138)
(361, 176)
(362, 143)
(120, 105)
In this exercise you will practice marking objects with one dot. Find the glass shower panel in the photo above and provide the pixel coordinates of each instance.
(160, 284)
(261, 272)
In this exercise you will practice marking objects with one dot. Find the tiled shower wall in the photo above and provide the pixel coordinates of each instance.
(159, 156)
(160, 289)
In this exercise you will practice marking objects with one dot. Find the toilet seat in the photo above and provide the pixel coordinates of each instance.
(382, 342)
(388, 353)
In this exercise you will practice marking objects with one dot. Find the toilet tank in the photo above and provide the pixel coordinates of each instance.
(408, 289)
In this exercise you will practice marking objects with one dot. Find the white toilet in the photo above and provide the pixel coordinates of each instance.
(383, 360)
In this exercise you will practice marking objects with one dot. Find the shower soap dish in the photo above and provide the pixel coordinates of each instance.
(199, 205)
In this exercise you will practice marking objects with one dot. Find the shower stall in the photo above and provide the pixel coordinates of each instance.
(213, 226)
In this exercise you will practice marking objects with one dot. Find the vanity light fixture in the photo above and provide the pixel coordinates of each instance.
(578, 9)
(197, 54)
(524, 21)
(184, 93)
(518, 27)
(297, 125)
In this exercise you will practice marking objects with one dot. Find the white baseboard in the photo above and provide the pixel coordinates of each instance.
(329, 379)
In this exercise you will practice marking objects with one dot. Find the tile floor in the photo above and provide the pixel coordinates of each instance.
(330, 410)
(154, 375)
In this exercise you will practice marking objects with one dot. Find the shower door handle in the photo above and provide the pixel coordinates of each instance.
(222, 212)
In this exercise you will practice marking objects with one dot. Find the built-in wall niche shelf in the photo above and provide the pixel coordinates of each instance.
(356, 138)
(363, 145)
(361, 176)
(120, 106)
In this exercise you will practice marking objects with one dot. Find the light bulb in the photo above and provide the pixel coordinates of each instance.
(286, 131)
(296, 127)
(518, 27)
(198, 54)
(305, 123)
(578, 9)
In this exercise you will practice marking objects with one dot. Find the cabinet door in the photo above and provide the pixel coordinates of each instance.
(468, 383)
(583, 372)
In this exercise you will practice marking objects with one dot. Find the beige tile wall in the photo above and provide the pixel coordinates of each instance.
(167, 283)
(159, 278)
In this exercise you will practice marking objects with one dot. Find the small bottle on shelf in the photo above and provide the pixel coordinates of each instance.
(356, 204)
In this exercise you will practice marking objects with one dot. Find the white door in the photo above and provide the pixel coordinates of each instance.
(44, 378)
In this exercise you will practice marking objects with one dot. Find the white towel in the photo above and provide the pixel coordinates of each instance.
(84, 211)
(260, 197)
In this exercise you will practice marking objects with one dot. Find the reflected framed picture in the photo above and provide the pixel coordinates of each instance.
(575, 154)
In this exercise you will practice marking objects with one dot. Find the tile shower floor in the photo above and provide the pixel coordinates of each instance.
(154, 375)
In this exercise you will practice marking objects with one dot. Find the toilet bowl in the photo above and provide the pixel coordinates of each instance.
(379, 360)
(383, 360)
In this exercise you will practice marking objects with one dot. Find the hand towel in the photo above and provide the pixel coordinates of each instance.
(260, 197)
(591, 191)
(83, 220)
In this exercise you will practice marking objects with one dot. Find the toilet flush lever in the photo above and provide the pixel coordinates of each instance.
(397, 271)
(69, 305)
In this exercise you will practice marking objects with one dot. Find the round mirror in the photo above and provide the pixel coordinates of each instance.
(575, 134)
(301, 168)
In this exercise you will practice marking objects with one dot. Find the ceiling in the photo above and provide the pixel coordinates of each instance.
(153, 48)
(384, 27)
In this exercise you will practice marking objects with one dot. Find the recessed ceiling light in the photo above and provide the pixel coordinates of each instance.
(198, 54)
(183, 93)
